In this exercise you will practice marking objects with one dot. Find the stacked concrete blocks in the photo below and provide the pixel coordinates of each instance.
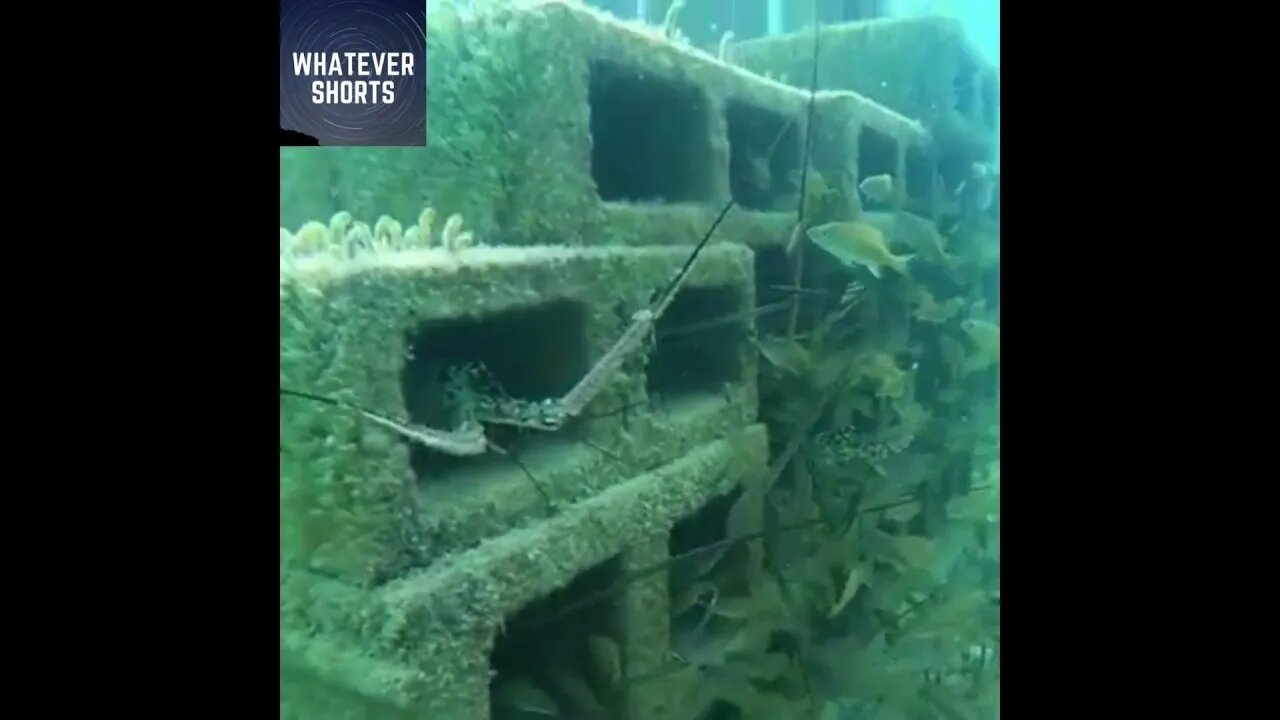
(368, 511)
(924, 68)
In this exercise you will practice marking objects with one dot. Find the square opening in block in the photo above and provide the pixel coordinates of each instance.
(955, 166)
(531, 355)
(545, 650)
(920, 181)
(774, 280)
(764, 157)
(966, 88)
(989, 103)
(650, 137)
(705, 527)
(704, 566)
(877, 155)
(699, 348)
(776, 287)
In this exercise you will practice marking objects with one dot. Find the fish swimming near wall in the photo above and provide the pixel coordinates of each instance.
(977, 192)
(878, 188)
(985, 337)
(858, 244)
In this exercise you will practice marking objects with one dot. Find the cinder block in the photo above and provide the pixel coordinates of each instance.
(420, 645)
(383, 333)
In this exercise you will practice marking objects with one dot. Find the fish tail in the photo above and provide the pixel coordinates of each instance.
(900, 263)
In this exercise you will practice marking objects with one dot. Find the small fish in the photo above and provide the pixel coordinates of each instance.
(857, 243)
(817, 191)
(786, 354)
(878, 188)
(606, 657)
(852, 584)
(922, 235)
(928, 309)
(985, 336)
(977, 192)
(881, 368)
(759, 174)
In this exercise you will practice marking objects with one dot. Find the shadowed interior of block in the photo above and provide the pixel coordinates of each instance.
(649, 137)
(759, 179)
(547, 643)
(699, 344)
(529, 354)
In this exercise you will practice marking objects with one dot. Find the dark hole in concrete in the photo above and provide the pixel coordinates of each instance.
(966, 86)
(722, 710)
(773, 276)
(877, 155)
(533, 354)
(549, 635)
(689, 569)
(699, 344)
(920, 174)
(989, 103)
(707, 525)
(775, 287)
(697, 580)
(650, 137)
(955, 165)
(758, 179)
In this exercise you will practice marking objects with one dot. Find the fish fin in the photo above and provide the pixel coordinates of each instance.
(875, 271)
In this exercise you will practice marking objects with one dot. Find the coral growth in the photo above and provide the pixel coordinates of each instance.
(347, 238)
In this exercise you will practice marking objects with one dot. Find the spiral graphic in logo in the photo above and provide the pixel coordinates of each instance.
(353, 72)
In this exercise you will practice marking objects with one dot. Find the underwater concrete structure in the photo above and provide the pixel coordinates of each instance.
(586, 156)
(922, 67)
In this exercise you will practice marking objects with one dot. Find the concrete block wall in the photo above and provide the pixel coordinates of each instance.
(364, 511)
(587, 155)
(922, 67)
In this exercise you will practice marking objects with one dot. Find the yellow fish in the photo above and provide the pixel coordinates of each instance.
(880, 367)
(922, 235)
(816, 191)
(985, 337)
(606, 657)
(857, 243)
(928, 309)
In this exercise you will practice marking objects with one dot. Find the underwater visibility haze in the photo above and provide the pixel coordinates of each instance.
(663, 383)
